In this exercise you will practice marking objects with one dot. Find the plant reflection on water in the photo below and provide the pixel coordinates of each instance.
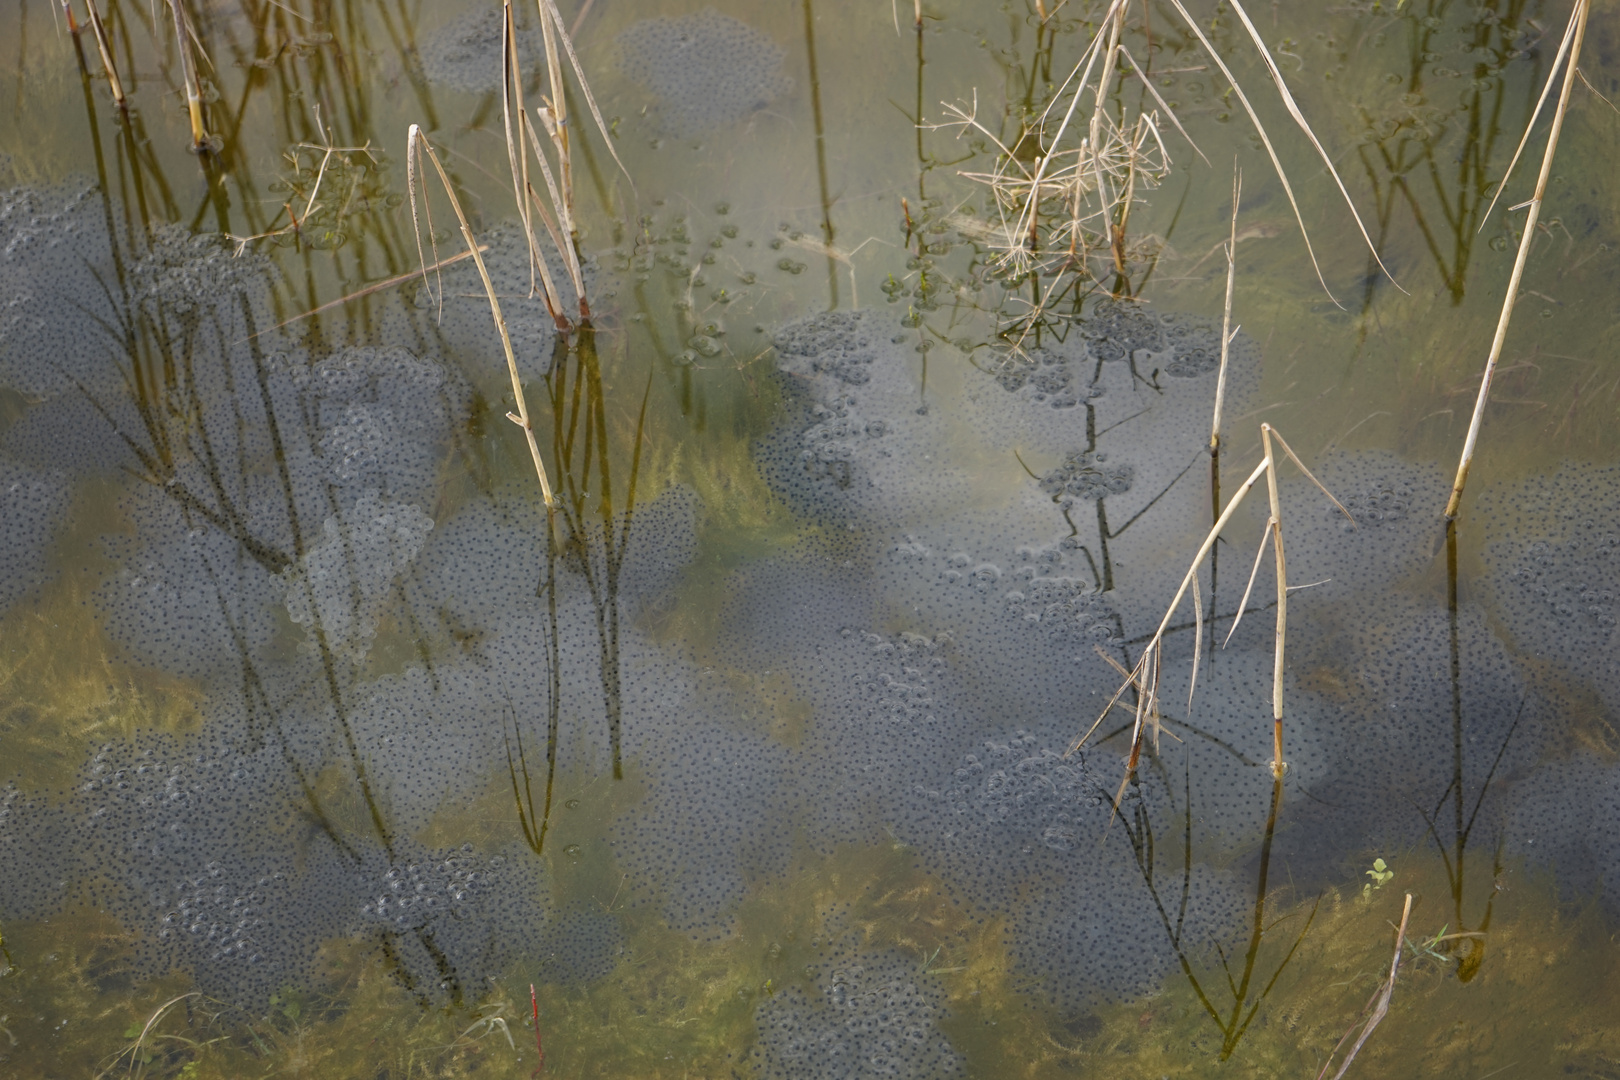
(749, 753)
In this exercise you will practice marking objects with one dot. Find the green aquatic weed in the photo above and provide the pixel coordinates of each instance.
(1381, 875)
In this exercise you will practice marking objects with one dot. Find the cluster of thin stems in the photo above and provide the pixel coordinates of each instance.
(191, 55)
(554, 212)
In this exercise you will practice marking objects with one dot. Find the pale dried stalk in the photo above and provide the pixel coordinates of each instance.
(1026, 219)
(1275, 527)
(416, 145)
(512, 94)
(374, 287)
(1254, 572)
(555, 115)
(550, 6)
(104, 47)
(1186, 583)
(1226, 318)
(1379, 1001)
(563, 237)
(1535, 114)
(1101, 96)
(1145, 675)
(1265, 536)
(1265, 139)
(1299, 118)
(1576, 33)
(188, 70)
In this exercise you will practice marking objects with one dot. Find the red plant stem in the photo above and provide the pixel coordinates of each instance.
(535, 1001)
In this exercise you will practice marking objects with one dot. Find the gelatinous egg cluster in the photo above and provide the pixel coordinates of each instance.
(375, 657)
(707, 70)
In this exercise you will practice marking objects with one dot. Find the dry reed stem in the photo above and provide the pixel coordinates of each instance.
(512, 87)
(1379, 1002)
(1535, 114)
(416, 145)
(104, 47)
(188, 70)
(563, 232)
(397, 279)
(1100, 96)
(1254, 572)
(523, 191)
(1226, 318)
(1089, 59)
(1168, 111)
(1198, 643)
(1577, 31)
(1265, 139)
(1299, 118)
(554, 115)
(1158, 635)
(1264, 537)
(1110, 160)
(550, 6)
(1146, 674)
(1278, 765)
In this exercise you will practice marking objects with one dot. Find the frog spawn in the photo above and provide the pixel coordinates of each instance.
(707, 71)
(918, 640)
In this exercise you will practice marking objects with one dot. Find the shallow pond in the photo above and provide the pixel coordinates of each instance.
(322, 742)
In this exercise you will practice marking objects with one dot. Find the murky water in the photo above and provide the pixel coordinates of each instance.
(322, 743)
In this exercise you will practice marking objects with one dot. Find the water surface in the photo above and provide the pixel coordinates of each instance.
(324, 743)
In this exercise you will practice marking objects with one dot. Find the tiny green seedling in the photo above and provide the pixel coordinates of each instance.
(1381, 875)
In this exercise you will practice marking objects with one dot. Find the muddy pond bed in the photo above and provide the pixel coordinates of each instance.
(871, 356)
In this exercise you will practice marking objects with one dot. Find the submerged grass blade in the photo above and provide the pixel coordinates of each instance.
(1379, 1002)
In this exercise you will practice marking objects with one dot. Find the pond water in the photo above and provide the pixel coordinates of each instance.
(322, 742)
